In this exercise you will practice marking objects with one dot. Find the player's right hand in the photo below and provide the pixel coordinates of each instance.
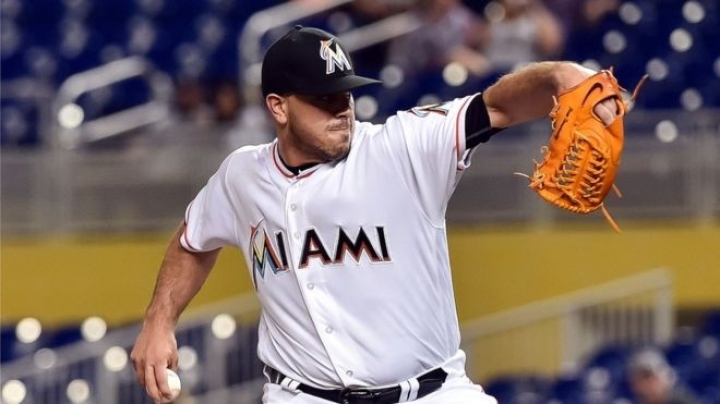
(155, 350)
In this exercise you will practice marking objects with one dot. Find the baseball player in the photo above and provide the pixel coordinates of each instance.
(342, 226)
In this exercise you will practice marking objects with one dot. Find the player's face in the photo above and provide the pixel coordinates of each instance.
(321, 127)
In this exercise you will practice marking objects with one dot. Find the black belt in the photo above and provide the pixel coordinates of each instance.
(428, 383)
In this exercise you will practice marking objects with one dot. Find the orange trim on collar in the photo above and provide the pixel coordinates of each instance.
(287, 173)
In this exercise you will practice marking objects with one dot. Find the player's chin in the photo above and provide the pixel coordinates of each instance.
(340, 151)
(341, 138)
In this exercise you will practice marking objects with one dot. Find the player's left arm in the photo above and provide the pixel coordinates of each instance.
(527, 94)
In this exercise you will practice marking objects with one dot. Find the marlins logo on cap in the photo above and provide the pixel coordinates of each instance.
(334, 57)
(292, 66)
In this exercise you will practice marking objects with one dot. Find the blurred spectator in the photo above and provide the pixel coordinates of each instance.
(519, 32)
(227, 102)
(253, 127)
(238, 123)
(653, 381)
(377, 9)
(581, 15)
(191, 102)
(448, 34)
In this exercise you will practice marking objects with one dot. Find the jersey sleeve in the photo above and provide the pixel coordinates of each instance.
(210, 221)
(429, 145)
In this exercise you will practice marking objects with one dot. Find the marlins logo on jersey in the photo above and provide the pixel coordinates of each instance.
(425, 110)
(333, 57)
(265, 254)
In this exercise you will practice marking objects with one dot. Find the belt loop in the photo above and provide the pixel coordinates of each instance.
(289, 383)
(267, 371)
(414, 389)
(276, 377)
(409, 390)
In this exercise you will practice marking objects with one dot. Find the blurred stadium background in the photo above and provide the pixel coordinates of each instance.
(115, 113)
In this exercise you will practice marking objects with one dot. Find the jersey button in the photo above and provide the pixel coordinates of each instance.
(293, 207)
(311, 286)
(296, 235)
(329, 330)
(349, 373)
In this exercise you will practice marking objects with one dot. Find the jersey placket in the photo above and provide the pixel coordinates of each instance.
(311, 282)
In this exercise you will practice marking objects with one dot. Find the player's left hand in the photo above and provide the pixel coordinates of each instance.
(584, 151)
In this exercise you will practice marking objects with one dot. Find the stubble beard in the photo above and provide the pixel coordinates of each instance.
(316, 150)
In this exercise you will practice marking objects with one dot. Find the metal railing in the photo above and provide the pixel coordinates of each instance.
(259, 24)
(73, 131)
(217, 346)
(218, 362)
(557, 335)
(263, 22)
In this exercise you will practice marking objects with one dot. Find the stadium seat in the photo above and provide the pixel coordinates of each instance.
(614, 360)
(568, 389)
(711, 323)
(64, 336)
(706, 383)
(686, 357)
(19, 125)
(7, 343)
(520, 389)
(40, 12)
(242, 363)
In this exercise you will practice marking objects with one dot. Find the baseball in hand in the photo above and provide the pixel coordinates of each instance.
(174, 383)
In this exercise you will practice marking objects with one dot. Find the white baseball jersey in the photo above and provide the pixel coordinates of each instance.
(349, 258)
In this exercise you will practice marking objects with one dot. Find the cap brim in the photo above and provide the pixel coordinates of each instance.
(345, 83)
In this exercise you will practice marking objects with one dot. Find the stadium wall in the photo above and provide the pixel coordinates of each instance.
(65, 280)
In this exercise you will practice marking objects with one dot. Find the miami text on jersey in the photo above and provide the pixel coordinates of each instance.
(271, 253)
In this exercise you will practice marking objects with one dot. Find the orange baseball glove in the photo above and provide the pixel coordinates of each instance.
(582, 158)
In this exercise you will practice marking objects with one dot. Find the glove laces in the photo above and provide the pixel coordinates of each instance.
(580, 186)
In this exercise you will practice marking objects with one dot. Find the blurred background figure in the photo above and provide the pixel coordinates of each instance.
(449, 32)
(581, 14)
(191, 102)
(416, 65)
(227, 102)
(653, 381)
(377, 9)
(519, 32)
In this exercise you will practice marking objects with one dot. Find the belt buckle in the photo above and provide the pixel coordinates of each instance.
(349, 396)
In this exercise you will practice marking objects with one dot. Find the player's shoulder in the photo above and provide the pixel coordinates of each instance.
(363, 129)
(249, 154)
(253, 150)
(424, 114)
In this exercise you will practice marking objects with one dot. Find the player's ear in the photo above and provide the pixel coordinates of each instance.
(277, 105)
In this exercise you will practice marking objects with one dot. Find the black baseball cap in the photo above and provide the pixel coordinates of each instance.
(309, 61)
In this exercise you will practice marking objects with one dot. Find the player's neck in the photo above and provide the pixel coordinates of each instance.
(295, 169)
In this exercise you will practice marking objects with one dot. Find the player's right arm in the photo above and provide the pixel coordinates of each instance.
(181, 276)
